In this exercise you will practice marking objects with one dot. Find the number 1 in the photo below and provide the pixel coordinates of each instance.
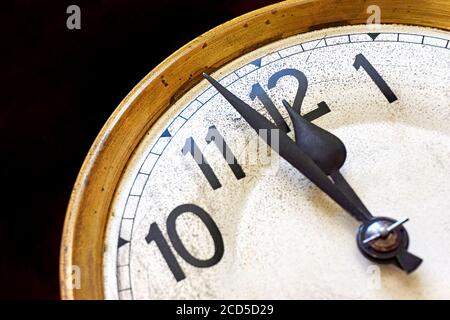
(361, 61)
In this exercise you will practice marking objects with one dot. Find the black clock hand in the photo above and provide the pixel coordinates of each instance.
(388, 249)
(379, 239)
(291, 152)
(327, 151)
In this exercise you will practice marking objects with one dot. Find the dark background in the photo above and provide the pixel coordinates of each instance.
(58, 87)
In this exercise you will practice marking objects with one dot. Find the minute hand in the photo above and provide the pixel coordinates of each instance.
(290, 152)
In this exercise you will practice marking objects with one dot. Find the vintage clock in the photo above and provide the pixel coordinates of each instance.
(277, 156)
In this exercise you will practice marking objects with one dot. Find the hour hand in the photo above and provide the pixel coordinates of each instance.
(326, 150)
(288, 150)
(380, 239)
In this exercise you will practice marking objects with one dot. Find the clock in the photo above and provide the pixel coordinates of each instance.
(293, 152)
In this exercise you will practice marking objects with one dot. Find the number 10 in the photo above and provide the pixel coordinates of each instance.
(156, 235)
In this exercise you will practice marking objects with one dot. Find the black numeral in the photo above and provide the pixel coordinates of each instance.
(258, 92)
(156, 235)
(210, 225)
(204, 166)
(301, 88)
(213, 135)
(361, 61)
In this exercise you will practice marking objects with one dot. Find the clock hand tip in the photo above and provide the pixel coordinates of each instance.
(292, 114)
(286, 104)
(211, 80)
(408, 262)
(215, 83)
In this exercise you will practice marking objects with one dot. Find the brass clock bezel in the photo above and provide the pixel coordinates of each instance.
(88, 210)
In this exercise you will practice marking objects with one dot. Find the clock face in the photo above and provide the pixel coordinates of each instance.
(244, 223)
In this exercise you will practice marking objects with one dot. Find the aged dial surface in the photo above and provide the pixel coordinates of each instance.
(258, 229)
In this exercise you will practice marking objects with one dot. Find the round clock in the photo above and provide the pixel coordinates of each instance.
(294, 152)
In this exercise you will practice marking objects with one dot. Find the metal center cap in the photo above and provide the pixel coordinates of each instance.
(388, 240)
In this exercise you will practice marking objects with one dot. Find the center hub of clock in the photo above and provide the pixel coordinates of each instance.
(379, 242)
(387, 241)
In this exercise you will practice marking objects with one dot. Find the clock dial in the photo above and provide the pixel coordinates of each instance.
(204, 210)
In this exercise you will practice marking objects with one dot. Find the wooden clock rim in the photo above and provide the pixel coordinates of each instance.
(88, 210)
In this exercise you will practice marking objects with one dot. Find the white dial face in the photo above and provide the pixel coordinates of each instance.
(260, 229)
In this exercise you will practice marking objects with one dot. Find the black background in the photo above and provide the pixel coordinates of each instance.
(58, 87)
